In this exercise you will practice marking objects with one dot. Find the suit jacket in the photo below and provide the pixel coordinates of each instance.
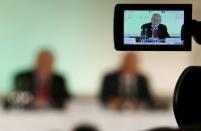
(111, 85)
(162, 31)
(58, 91)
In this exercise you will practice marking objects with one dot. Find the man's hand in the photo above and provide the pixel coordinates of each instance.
(40, 104)
(134, 105)
(116, 103)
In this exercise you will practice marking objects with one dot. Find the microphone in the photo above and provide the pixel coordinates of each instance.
(144, 33)
(154, 30)
(154, 27)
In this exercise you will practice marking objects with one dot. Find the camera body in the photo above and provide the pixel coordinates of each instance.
(134, 27)
(196, 31)
(186, 101)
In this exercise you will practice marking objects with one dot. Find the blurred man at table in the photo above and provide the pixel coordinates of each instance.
(47, 88)
(155, 29)
(126, 88)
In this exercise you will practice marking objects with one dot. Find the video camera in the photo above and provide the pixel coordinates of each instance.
(164, 27)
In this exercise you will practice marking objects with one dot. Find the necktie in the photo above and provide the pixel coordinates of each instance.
(155, 33)
(43, 92)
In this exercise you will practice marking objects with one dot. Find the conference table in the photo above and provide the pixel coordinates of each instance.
(153, 41)
(84, 112)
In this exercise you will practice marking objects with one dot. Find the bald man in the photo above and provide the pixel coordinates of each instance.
(155, 29)
(126, 88)
(47, 88)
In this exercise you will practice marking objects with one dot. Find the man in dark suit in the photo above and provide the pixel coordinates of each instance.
(126, 88)
(155, 29)
(47, 88)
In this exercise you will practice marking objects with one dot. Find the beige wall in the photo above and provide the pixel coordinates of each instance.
(80, 32)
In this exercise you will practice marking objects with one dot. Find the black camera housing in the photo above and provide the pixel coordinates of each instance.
(196, 31)
(186, 101)
(119, 27)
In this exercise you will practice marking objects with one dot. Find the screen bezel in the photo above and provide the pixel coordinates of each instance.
(119, 27)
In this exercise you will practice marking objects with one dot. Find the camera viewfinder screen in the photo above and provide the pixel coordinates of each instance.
(154, 27)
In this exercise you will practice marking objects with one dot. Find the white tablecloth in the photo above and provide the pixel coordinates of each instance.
(79, 112)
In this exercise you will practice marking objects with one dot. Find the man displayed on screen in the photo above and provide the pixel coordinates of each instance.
(154, 29)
